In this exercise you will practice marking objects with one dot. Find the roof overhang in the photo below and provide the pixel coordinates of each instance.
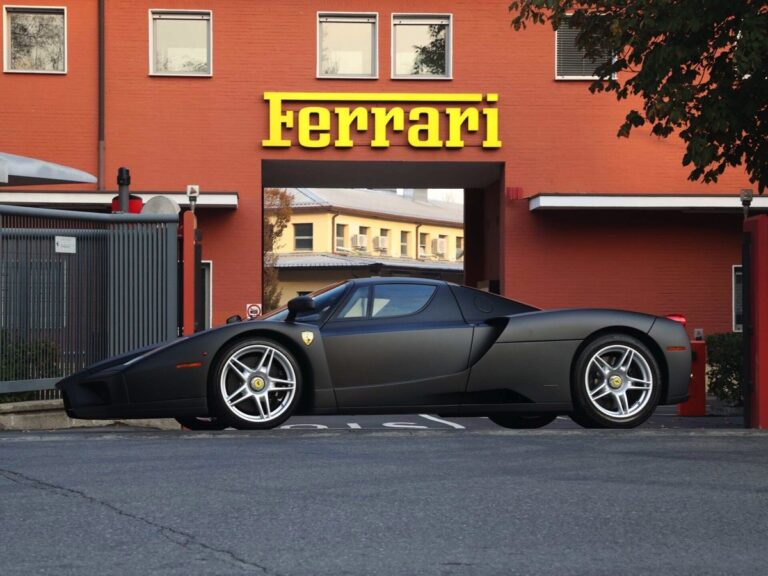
(104, 199)
(312, 261)
(642, 202)
(23, 171)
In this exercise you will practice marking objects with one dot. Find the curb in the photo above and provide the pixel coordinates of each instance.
(50, 415)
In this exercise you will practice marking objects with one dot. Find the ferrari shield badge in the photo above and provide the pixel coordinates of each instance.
(308, 337)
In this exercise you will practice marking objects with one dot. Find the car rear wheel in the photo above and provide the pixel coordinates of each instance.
(256, 385)
(201, 422)
(522, 420)
(617, 383)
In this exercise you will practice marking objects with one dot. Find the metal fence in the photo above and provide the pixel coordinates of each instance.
(77, 287)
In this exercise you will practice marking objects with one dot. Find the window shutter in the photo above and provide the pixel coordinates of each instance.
(571, 62)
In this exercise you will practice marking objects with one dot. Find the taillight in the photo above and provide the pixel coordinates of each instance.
(677, 318)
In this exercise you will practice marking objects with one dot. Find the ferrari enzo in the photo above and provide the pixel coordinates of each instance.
(398, 345)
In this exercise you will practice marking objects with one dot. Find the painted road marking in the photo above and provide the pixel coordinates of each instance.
(436, 419)
(396, 425)
(410, 425)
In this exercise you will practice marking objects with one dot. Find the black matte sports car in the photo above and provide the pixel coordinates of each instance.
(395, 345)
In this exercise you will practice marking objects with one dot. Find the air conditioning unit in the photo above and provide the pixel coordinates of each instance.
(439, 246)
(380, 242)
(360, 241)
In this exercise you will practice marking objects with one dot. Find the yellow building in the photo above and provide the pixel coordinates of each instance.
(335, 234)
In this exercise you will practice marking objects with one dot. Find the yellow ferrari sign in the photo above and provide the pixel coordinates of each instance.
(426, 120)
(308, 337)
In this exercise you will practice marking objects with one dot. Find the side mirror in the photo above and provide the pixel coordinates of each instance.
(234, 319)
(299, 305)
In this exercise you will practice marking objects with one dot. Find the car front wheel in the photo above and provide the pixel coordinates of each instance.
(257, 385)
(617, 383)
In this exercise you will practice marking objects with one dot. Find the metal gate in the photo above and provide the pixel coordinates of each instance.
(77, 287)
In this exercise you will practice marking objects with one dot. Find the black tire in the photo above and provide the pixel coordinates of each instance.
(522, 420)
(201, 423)
(616, 383)
(256, 385)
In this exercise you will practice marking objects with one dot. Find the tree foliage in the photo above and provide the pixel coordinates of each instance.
(700, 67)
(276, 216)
(430, 58)
(724, 366)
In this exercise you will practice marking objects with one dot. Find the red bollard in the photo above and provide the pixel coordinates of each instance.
(696, 405)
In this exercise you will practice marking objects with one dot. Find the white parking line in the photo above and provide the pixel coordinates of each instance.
(441, 421)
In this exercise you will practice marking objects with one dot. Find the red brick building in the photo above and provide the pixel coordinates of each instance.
(236, 96)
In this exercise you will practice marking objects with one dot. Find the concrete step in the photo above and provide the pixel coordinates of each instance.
(50, 415)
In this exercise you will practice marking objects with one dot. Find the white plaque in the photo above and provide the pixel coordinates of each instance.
(66, 244)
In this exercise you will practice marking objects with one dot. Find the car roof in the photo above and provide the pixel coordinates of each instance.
(397, 280)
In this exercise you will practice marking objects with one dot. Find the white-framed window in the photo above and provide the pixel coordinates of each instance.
(736, 298)
(459, 247)
(347, 45)
(341, 235)
(303, 236)
(422, 46)
(180, 43)
(570, 60)
(35, 39)
(404, 243)
(423, 244)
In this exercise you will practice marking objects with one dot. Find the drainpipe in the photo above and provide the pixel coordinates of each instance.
(333, 232)
(101, 150)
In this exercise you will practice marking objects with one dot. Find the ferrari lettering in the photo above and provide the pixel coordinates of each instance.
(425, 124)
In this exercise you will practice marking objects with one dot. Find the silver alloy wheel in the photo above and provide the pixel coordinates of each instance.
(619, 381)
(258, 383)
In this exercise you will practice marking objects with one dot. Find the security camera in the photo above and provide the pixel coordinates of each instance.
(193, 191)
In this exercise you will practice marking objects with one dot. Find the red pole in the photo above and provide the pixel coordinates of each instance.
(696, 405)
(758, 403)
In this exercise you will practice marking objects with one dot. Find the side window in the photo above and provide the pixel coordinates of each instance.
(400, 299)
(357, 305)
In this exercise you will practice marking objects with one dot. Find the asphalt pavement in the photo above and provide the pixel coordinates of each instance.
(387, 498)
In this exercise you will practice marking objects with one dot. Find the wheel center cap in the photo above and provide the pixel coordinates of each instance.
(257, 383)
(615, 382)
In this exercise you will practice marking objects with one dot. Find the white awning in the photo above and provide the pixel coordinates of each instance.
(104, 199)
(23, 171)
(641, 202)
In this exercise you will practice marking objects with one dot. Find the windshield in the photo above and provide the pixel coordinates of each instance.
(325, 300)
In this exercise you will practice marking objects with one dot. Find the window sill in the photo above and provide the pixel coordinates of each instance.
(421, 78)
(163, 75)
(346, 77)
(53, 72)
(581, 78)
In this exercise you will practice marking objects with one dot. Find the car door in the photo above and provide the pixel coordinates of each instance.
(398, 344)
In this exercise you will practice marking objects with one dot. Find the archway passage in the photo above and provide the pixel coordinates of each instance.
(482, 183)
